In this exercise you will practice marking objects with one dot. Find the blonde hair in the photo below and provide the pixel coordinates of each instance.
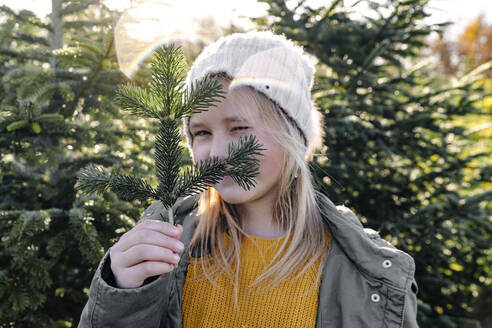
(295, 209)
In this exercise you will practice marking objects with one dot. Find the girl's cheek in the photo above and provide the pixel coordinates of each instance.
(198, 153)
(195, 154)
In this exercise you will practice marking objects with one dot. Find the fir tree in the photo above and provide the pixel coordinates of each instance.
(53, 121)
(393, 149)
(167, 101)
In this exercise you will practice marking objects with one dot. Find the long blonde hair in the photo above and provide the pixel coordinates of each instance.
(295, 209)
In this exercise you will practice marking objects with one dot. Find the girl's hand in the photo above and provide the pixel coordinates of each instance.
(151, 248)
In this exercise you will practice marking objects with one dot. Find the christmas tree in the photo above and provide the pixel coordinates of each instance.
(168, 101)
(398, 150)
(53, 240)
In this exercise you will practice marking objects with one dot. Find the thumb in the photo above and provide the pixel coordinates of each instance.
(180, 227)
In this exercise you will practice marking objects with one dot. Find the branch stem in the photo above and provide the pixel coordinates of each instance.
(170, 215)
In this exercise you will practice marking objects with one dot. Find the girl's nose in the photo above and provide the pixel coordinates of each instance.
(219, 147)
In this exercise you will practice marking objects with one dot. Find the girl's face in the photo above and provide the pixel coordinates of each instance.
(213, 130)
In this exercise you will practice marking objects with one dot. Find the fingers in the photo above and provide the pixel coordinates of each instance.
(150, 248)
(150, 237)
(163, 227)
(148, 269)
(142, 252)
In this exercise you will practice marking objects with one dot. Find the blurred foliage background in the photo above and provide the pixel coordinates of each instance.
(408, 146)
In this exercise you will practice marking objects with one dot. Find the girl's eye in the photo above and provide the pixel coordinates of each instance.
(200, 132)
(203, 132)
(240, 128)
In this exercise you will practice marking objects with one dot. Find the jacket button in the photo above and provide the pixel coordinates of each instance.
(386, 264)
(375, 298)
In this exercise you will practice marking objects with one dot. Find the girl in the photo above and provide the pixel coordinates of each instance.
(278, 255)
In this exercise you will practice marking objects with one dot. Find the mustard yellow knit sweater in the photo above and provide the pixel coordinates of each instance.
(284, 306)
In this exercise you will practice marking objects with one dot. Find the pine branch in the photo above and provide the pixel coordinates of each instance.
(30, 39)
(23, 18)
(91, 80)
(88, 44)
(46, 92)
(163, 101)
(168, 155)
(242, 164)
(34, 55)
(168, 74)
(129, 188)
(196, 180)
(93, 179)
(168, 199)
(77, 7)
(137, 101)
(87, 23)
(201, 96)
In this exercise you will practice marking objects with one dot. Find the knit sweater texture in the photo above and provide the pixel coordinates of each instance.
(292, 303)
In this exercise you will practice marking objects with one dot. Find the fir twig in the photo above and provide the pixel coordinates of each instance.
(167, 80)
(93, 179)
(137, 101)
(129, 188)
(242, 164)
(196, 179)
(167, 101)
(201, 96)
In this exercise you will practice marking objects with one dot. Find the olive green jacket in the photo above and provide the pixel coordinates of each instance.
(369, 282)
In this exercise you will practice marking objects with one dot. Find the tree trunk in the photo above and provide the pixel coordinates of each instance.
(56, 35)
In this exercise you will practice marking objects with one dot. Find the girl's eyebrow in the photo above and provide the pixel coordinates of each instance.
(226, 119)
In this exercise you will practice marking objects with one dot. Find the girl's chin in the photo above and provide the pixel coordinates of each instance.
(233, 194)
(232, 198)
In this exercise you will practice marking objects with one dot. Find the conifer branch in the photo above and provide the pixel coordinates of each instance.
(93, 179)
(168, 74)
(28, 18)
(137, 101)
(197, 179)
(129, 188)
(242, 164)
(201, 96)
(168, 154)
(163, 100)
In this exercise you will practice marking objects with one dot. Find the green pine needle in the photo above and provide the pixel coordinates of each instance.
(201, 96)
(168, 154)
(168, 74)
(137, 101)
(197, 178)
(242, 164)
(129, 188)
(93, 179)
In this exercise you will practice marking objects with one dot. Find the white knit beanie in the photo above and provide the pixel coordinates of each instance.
(271, 64)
